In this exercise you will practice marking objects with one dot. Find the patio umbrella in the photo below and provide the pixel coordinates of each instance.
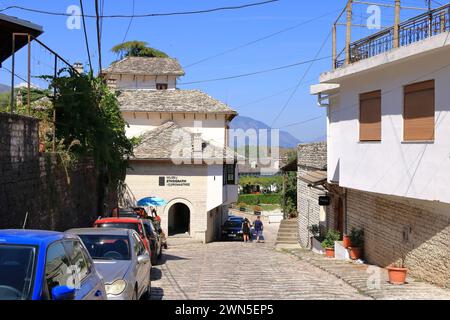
(152, 202)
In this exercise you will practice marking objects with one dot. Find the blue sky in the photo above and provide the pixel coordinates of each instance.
(194, 37)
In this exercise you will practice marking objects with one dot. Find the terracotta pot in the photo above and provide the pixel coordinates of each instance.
(355, 253)
(346, 242)
(397, 275)
(329, 252)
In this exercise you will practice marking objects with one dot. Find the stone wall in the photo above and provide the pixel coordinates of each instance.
(311, 157)
(396, 227)
(38, 184)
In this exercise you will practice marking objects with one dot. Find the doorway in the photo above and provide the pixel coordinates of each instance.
(179, 219)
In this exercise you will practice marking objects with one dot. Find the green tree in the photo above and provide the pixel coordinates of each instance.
(137, 49)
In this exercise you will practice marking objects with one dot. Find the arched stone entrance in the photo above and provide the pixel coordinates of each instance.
(179, 219)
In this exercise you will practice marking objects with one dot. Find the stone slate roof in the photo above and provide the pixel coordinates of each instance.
(160, 143)
(146, 66)
(183, 101)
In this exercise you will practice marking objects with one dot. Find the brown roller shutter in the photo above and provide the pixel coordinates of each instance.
(419, 109)
(370, 116)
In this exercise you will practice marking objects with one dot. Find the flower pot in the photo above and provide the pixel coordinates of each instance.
(329, 252)
(397, 275)
(346, 242)
(355, 253)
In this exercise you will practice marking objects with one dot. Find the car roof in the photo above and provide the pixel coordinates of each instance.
(31, 237)
(106, 231)
(118, 220)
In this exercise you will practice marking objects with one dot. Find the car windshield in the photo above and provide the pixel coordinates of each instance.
(16, 271)
(132, 226)
(233, 224)
(107, 247)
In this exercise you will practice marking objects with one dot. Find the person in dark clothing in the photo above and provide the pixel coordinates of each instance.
(259, 227)
(246, 230)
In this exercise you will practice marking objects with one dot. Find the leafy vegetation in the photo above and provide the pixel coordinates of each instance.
(256, 199)
(357, 237)
(331, 237)
(264, 182)
(137, 49)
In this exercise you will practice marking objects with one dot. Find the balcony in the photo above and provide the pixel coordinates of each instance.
(416, 29)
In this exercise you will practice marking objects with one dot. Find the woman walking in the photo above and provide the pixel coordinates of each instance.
(246, 229)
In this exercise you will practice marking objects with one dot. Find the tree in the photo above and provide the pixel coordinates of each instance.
(137, 49)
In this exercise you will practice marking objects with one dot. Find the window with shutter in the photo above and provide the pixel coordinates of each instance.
(418, 113)
(370, 116)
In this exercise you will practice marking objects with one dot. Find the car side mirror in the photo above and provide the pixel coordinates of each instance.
(63, 293)
(143, 258)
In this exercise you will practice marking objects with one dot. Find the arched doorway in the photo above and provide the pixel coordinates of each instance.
(179, 219)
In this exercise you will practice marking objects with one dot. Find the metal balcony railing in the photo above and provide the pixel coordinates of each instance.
(416, 29)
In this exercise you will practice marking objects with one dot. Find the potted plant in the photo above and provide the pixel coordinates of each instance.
(328, 243)
(257, 210)
(242, 206)
(357, 243)
(346, 242)
(397, 271)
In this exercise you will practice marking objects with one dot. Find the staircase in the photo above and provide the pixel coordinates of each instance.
(288, 232)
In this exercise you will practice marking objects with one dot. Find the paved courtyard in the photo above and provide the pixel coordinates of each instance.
(236, 270)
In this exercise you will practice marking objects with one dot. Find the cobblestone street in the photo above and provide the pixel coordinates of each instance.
(236, 270)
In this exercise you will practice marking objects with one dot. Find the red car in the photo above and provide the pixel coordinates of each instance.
(125, 223)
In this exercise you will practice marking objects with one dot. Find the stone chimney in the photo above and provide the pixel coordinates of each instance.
(79, 67)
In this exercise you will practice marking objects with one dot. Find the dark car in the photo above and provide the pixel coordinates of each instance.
(232, 230)
(154, 238)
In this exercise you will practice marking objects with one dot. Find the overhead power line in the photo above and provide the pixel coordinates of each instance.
(129, 24)
(257, 72)
(260, 39)
(99, 42)
(86, 36)
(145, 15)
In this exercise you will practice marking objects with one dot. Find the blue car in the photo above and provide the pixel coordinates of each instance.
(46, 265)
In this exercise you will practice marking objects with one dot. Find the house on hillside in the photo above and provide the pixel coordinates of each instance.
(388, 112)
(182, 154)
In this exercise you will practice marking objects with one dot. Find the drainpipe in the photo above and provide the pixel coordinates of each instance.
(345, 212)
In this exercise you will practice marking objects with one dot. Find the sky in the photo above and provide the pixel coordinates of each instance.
(279, 98)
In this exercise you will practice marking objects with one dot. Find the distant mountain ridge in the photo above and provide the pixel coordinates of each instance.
(287, 140)
(4, 88)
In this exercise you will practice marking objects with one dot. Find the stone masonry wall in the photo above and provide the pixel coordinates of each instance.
(311, 157)
(396, 227)
(38, 184)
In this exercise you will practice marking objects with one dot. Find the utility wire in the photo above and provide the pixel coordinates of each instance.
(129, 25)
(260, 39)
(86, 36)
(256, 72)
(301, 80)
(99, 42)
(145, 15)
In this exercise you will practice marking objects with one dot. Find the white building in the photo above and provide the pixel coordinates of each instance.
(389, 143)
(182, 154)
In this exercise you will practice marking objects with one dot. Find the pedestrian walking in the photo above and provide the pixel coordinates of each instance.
(259, 227)
(246, 229)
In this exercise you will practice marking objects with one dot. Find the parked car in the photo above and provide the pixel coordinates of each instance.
(135, 224)
(154, 238)
(121, 258)
(47, 265)
(232, 230)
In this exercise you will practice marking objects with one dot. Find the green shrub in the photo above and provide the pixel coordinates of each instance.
(357, 237)
(255, 199)
(331, 237)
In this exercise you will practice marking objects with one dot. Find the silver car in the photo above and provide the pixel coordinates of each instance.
(121, 259)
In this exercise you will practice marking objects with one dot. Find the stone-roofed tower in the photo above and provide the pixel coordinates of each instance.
(144, 73)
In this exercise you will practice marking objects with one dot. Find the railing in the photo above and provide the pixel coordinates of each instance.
(429, 24)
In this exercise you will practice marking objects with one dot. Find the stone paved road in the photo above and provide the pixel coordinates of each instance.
(236, 270)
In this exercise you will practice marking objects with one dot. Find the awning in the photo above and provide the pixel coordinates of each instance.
(314, 178)
(10, 25)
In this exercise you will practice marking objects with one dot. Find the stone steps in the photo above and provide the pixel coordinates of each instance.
(288, 232)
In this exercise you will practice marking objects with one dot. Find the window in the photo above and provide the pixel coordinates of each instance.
(139, 248)
(161, 86)
(229, 174)
(78, 259)
(370, 116)
(418, 113)
(57, 268)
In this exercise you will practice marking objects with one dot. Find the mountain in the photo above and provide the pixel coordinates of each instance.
(287, 140)
(4, 88)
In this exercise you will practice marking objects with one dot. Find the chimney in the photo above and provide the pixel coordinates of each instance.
(78, 66)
